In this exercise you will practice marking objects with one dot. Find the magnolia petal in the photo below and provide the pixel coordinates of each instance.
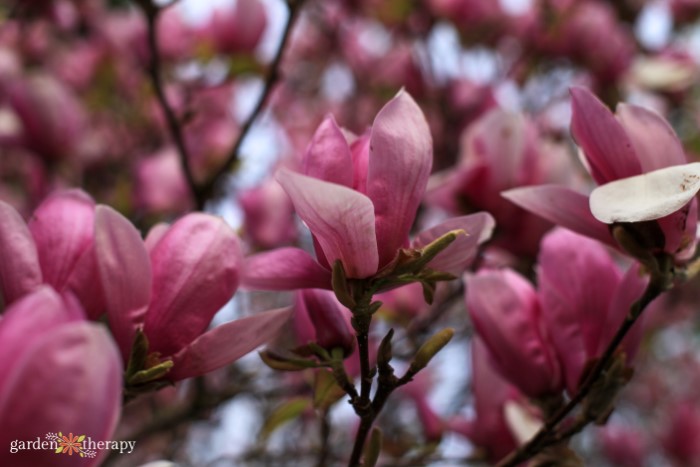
(63, 228)
(155, 234)
(648, 196)
(195, 272)
(20, 272)
(125, 273)
(227, 343)
(70, 380)
(577, 279)
(629, 289)
(562, 206)
(328, 155)
(341, 219)
(28, 319)
(284, 269)
(86, 286)
(655, 143)
(457, 256)
(400, 160)
(607, 147)
(504, 309)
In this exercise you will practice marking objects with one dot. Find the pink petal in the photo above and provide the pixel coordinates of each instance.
(456, 257)
(227, 343)
(680, 229)
(125, 273)
(629, 289)
(505, 312)
(400, 159)
(653, 139)
(360, 162)
(577, 281)
(84, 283)
(284, 269)
(69, 381)
(155, 234)
(195, 272)
(63, 228)
(607, 147)
(561, 206)
(341, 219)
(19, 263)
(328, 156)
(28, 319)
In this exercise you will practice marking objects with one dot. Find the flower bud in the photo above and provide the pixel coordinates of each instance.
(332, 327)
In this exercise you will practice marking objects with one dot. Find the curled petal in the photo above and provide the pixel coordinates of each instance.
(400, 159)
(227, 343)
(562, 206)
(328, 156)
(125, 273)
(284, 269)
(457, 256)
(648, 196)
(20, 272)
(195, 272)
(62, 227)
(341, 219)
(70, 380)
(607, 147)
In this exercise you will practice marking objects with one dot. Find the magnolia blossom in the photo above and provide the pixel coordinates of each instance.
(59, 373)
(359, 198)
(634, 155)
(541, 340)
(502, 150)
(171, 285)
(55, 248)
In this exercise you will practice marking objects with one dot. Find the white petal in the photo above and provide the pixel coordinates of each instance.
(646, 197)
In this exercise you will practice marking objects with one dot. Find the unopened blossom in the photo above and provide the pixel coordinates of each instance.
(641, 165)
(171, 286)
(359, 198)
(237, 30)
(56, 247)
(59, 373)
(269, 215)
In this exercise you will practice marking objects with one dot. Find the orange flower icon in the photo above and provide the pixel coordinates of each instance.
(70, 444)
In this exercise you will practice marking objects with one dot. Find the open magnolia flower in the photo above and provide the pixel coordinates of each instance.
(644, 176)
(359, 196)
(162, 294)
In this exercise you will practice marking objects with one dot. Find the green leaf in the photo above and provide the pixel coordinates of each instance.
(286, 412)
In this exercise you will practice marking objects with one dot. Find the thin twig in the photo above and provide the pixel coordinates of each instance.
(152, 12)
(273, 75)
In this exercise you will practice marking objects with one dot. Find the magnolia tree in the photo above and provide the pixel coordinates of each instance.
(456, 232)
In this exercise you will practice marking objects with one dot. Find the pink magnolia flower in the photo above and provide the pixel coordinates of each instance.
(171, 286)
(59, 373)
(359, 199)
(584, 299)
(507, 315)
(55, 248)
(502, 150)
(632, 142)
